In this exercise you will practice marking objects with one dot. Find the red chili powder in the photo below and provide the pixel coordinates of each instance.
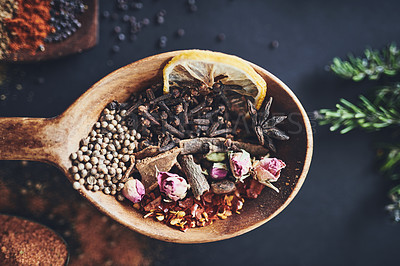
(29, 26)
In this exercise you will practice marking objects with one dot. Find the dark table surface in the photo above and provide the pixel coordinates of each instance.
(338, 217)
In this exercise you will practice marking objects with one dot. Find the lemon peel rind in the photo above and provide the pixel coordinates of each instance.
(218, 58)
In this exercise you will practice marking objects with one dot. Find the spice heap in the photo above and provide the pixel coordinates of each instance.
(63, 19)
(7, 8)
(27, 243)
(183, 152)
(28, 24)
(105, 155)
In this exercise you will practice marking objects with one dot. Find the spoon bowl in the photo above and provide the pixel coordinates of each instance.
(52, 140)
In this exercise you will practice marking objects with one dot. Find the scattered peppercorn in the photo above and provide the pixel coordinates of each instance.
(221, 37)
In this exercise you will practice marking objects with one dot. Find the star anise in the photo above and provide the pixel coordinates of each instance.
(265, 128)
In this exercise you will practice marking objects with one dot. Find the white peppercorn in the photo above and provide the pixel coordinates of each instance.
(113, 192)
(82, 181)
(74, 169)
(97, 147)
(94, 160)
(125, 158)
(91, 180)
(80, 158)
(89, 187)
(93, 171)
(110, 126)
(76, 185)
(84, 173)
(96, 188)
(86, 158)
(123, 112)
(73, 156)
(106, 111)
(107, 190)
(77, 176)
(111, 147)
(100, 182)
(81, 166)
(104, 124)
(97, 124)
(123, 150)
(120, 186)
(88, 166)
(131, 146)
(112, 171)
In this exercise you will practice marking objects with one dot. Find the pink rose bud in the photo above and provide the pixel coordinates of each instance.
(172, 185)
(133, 190)
(268, 169)
(218, 171)
(240, 163)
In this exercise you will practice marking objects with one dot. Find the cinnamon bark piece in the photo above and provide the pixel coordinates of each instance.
(197, 181)
(206, 145)
(163, 161)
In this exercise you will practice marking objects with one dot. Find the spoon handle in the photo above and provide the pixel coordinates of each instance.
(28, 139)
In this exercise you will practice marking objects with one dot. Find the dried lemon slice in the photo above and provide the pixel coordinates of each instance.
(205, 68)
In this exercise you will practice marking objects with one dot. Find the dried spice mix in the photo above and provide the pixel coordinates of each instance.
(186, 153)
(23, 242)
(25, 25)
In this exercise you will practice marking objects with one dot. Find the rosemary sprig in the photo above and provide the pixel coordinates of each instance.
(373, 65)
(371, 116)
(383, 111)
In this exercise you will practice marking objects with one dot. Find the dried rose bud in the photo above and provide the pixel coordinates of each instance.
(133, 190)
(218, 171)
(268, 169)
(240, 163)
(172, 185)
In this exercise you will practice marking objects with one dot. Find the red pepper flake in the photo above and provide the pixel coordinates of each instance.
(189, 213)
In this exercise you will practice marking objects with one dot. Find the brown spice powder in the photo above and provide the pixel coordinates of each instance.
(27, 243)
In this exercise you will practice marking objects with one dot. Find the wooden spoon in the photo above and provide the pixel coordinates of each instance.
(52, 140)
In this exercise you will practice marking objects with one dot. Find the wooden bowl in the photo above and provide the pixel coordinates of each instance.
(52, 140)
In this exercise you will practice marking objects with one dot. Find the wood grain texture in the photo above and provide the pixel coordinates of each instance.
(84, 38)
(53, 140)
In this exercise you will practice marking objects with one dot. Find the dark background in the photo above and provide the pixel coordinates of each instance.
(338, 217)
